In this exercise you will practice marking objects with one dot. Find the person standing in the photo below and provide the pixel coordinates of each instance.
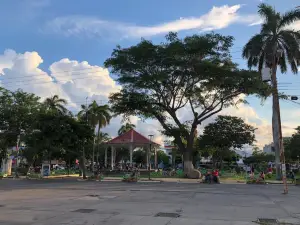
(252, 168)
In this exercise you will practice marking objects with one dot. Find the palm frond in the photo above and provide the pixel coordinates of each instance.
(267, 12)
(289, 17)
(254, 46)
(290, 43)
(261, 61)
(282, 63)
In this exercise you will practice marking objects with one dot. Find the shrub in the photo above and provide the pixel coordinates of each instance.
(269, 175)
(22, 171)
(34, 176)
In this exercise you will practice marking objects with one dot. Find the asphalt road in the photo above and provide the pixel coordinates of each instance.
(68, 201)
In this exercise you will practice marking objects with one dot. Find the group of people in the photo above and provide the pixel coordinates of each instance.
(213, 176)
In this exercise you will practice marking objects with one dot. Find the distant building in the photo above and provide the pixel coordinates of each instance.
(269, 149)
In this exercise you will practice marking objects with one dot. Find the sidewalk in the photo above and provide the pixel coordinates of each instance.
(166, 179)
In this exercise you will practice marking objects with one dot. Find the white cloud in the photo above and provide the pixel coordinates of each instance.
(295, 26)
(74, 81)
(70, 79)
(216, 18)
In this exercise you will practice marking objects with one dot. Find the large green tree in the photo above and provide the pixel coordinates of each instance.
(225, 134)
(161, 80)
(59, 136)
(277, 45)
(18, 111)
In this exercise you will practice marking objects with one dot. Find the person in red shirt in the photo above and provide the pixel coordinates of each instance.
(270, 170)
(215, 175)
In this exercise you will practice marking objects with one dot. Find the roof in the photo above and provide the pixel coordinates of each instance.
(131, 136)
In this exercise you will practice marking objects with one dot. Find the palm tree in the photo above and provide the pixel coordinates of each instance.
(275, 45)
(56, 104)
(97, 116)
(125, 127)
(102, 137)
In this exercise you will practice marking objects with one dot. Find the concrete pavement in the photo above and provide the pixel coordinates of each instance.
(55, 202)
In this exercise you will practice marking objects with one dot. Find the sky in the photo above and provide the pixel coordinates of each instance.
(58, 47)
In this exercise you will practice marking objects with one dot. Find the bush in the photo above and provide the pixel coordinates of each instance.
(130, 179)
(269, 175)
(95, 177)
(22, 171)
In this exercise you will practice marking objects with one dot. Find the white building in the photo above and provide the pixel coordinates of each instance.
(269, 149)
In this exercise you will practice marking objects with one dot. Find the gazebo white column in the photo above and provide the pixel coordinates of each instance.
(105, 158)
(131, 153)
(112, 157)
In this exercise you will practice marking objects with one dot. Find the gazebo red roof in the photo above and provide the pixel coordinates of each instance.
(131, 136)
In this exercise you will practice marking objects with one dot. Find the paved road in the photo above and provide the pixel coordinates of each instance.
(55, 202)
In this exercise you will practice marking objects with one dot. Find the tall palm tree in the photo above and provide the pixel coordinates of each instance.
(275, 45)
(97, 116)
(56, 104)
(125, 127)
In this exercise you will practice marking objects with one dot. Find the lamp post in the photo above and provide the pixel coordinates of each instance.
(298, 160)
(148, 155)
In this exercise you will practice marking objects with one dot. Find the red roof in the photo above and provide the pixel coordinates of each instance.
(131, 136)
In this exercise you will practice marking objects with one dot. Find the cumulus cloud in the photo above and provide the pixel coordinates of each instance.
(70, 79)
(295, 26)
(74, 81)
(216, 18)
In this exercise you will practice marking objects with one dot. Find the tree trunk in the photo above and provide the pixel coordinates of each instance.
(98, 143)
(187, 162)
(221, 162)
(69, 167)
(82, 163)
(174, 153)
(98, 147)
(276, 122)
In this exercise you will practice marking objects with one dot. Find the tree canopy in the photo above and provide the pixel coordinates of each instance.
(194, 74)
(292, 146)
(56, 104)
(227, 132)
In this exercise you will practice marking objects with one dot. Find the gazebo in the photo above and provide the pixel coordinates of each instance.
(131, 139)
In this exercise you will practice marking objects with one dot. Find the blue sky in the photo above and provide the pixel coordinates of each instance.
(88, 30)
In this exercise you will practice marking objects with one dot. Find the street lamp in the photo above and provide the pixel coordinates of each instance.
(148, 155)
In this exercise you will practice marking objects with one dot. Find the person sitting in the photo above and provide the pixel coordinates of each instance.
(261, 177)
(215, 176)
(270, 170)
(292, 176)
(208, 177)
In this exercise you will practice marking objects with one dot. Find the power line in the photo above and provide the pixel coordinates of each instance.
(61, 72)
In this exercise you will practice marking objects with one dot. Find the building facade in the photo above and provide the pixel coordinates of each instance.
(269, 149)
